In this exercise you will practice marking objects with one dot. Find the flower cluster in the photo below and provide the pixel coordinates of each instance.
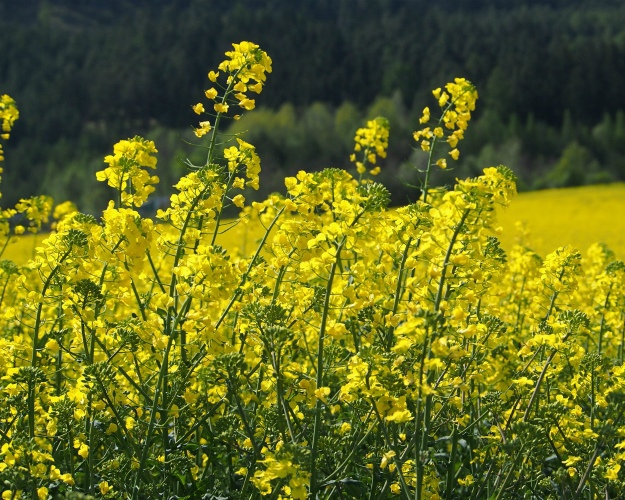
(245, 155)
(246, 67)
(457, 102)
(125, 171)
(372, 142)
(37, 211)
(8, 114)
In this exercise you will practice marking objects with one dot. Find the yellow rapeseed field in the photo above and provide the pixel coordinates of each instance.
(543, 220)
(575, 216)
(336, 348)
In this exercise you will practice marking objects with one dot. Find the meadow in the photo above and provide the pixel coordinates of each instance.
(345, 350)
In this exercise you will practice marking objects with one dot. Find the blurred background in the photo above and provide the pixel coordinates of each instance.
(87, 73)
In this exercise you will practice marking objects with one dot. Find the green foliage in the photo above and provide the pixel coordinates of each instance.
(576, 167)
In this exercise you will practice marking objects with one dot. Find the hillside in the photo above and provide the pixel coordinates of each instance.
(85, 74)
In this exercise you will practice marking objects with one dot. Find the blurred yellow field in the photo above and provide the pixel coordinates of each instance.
(576, 216)
(22, 250)
(551, 218)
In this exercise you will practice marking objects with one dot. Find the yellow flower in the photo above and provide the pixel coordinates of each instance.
(467, 481)
(386, 459)
(203, 129)
(248, 104)
(212, 76)
(211, 93)
(239, 200)
(83, 451)
(125, 172)
(322, 393)
(257, 88)
(104, 487)
(572, 460)
(372, 140)
(64, 209)
(612, 472)
(198, 108)
(454, 153)
(221, 107)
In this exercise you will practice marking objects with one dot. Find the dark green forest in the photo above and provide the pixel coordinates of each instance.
(87, 73)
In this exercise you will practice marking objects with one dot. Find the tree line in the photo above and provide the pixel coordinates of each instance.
(550, 75)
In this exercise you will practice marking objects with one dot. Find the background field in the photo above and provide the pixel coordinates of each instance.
(576, 216)
(550, 218)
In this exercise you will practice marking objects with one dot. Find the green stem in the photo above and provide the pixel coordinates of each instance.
(439, 293)
(451, 464)
(6, 243)
(155, 271)
(602, 326)
(252, 263)
(33, 360)
(220, 213)
(246, 424)
(538, 384)
(152, 424)
(356, 443)
(584, 478)
(426, 182)
(509, 475)
(396, 457)
(322, 329)
(398, 290)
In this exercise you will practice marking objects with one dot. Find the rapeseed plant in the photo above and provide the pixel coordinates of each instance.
(356, 351)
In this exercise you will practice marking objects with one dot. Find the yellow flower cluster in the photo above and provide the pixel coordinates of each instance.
(194, 208)
(245, 155)
(246, 67)
(357, 350)
(125, 170)
(8, 114)
(372, 142)
(37, 211)
(280, 466)
(247, 63)
(457, 102)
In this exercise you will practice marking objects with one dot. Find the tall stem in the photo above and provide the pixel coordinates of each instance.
(33, 360)
(322, 330)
